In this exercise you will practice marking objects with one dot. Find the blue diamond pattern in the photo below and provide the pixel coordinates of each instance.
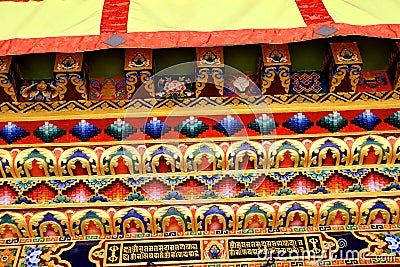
(367, 120)
(228, 126)
(12, 133)
(299, 123)
(120, 130)
(48, 132)
(192, 127)
(84, 131)
(155, 128)
(334, 122)
(263, 125)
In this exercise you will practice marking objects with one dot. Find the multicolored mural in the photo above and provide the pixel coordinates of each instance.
(202, 168)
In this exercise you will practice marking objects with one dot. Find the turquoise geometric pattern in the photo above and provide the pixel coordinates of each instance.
(120, 130)
(334, 122)
(192, 127)
(263, 124)
(22, 185)
(394, 119)
(48, 132)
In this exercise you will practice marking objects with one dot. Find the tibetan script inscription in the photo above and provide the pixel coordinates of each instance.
(231, 249)
(128, 253)
(275, 247)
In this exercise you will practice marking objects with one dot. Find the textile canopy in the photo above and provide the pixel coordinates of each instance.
(81, 25)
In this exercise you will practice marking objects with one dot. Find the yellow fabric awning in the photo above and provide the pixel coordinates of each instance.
(79, 25)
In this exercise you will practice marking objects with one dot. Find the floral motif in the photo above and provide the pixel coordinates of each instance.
(210, 58)
(139, 61)
(68, 63)
(346, 55)
(7, 257)
(393, 243)
(276, 57)
(32, 258)
(42, 256)
(173, 88)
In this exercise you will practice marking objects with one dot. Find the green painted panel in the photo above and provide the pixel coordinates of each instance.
(36, 66)
(106, 63)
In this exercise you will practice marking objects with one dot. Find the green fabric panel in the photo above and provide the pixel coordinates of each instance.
(305, 56)
(244, 58)
(375, 52)
(167, 58)
(106, 63)
(36, 66)
(308, 55)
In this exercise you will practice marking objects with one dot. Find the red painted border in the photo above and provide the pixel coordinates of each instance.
(190, 38)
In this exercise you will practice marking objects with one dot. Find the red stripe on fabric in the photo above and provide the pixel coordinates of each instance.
(114, 18)
(314, 12)
(170, 39)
